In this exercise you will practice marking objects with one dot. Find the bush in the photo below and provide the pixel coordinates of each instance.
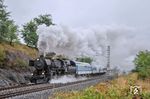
(142, 63)
(21, 63)
(146, 95)
(90, 93)
(85, 59)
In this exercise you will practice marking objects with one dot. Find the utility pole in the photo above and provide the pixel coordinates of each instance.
(108, 57)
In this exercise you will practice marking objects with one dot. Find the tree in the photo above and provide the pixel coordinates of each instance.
(29, 29)
(12, 30)
(142, 63)
(44, 19)
(29, 34)
(85, 59)
(7, 27)
(4, 20)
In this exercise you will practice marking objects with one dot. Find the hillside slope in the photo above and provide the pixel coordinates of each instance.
(14, 63)
(16, 56)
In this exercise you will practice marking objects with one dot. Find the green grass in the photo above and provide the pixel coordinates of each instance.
(2, 56)
(115, 89)
(32, 52)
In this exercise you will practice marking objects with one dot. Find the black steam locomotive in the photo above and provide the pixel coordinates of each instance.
(47, 68)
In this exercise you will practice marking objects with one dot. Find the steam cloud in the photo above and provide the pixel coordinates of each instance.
(66, 79)
(125, 43)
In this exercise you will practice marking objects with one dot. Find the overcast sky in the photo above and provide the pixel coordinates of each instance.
(82, 13)
(125, 15)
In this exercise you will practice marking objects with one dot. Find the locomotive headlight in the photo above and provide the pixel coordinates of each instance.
(42, 73)
(32, 74)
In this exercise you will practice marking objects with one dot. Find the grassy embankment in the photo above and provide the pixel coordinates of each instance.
(16, 54)
(115, 89)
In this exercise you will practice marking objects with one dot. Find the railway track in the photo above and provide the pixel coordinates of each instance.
(25, 89)
(15, 86)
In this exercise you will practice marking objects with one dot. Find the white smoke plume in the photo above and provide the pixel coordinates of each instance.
(125, 42)
(66, 79)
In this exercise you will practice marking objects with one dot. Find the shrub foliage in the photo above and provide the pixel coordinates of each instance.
(85, 59)
(142, 63)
